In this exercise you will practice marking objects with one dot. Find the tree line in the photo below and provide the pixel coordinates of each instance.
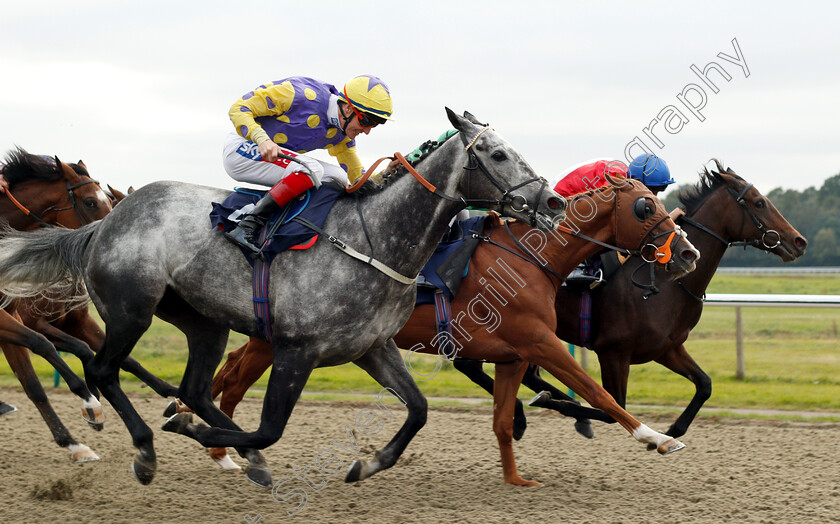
(813, 212)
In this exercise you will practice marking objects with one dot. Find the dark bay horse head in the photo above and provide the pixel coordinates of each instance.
(751, 218)
(50, 192)
(499, 179)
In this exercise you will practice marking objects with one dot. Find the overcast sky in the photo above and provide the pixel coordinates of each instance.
(140, 90)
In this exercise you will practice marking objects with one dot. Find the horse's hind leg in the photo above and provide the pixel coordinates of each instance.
(207, 345)
(13, 331)
(565, 406)
(386, 367)
(18, 358)
(474, 371)
(103, 370)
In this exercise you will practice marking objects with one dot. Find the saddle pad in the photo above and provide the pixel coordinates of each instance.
(450, 262)
(314, 206)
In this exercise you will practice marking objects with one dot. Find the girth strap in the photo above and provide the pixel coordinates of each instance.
(348, 250)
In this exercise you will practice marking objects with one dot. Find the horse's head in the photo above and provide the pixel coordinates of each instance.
(87, 201)
(749, 218)
(642, 224)
(496, 177)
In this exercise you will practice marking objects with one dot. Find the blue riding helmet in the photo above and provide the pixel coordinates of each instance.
(650, 170)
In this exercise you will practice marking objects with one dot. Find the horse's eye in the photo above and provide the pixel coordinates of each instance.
(91, 203)
(498, 156)
(760, 204)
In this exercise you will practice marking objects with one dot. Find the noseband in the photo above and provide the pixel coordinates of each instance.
(73, 204)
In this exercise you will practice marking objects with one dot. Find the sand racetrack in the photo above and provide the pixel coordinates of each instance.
(731, 470)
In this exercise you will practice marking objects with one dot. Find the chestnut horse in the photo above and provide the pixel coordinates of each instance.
(519, 268)
(721, 211)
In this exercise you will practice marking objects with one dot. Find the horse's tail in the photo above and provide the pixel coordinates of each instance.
(47, 260)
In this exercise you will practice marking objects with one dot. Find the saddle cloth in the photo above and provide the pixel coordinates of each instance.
(313, 205)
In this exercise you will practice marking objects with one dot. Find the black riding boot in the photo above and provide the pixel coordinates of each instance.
(246, 234)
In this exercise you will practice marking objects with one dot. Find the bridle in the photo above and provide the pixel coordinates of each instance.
(517, 203)
(661, 254)
(761, 243)
(83, 219)
(765, 233)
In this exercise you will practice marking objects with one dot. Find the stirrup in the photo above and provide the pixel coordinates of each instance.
(238, 237)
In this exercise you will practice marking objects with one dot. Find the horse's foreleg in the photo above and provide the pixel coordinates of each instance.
(679, 361)
(18, 358)
(508, 377)
(549, 353)
(386, 367)
(474, 371)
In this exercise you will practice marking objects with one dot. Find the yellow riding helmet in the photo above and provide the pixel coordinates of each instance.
(370, 95)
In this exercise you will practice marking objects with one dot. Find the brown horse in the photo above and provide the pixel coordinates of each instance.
(504, 310)
(722, 210)
(45, 191)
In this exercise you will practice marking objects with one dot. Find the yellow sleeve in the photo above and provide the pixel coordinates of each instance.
(348, 159)
(272, 100)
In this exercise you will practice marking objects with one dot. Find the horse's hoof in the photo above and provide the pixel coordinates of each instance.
(540, 400)
(355, 472)
(259, 476)
(5, 409)
(519, 481)
(584, 427)
(143, 470)
(171, 409)
(177, 422)
(519, 430)
(80, 453)
(94, 416)
(670, 446)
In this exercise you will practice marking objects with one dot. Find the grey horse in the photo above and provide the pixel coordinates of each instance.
(155, 254)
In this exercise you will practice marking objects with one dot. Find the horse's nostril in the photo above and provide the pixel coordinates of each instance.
(800, 242)
(555, 203)
(688, 254)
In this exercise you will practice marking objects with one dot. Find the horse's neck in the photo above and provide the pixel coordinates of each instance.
(406, 220)
(711, 249)
(565, 251)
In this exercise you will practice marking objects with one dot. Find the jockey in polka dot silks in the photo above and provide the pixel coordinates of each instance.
(278, 122)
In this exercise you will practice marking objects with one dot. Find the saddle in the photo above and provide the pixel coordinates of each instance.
(450, 263)
(280, 233)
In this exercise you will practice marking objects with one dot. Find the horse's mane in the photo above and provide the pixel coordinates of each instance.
(693, 196)
(20, 166)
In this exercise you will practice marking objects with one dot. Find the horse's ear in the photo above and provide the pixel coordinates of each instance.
(469, 116)
(81, 163)
(456, 120)
(615, 181)
(130, 189)
(57, 164)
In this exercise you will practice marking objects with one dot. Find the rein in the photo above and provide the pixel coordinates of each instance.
(73, 204)
(517, 203)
